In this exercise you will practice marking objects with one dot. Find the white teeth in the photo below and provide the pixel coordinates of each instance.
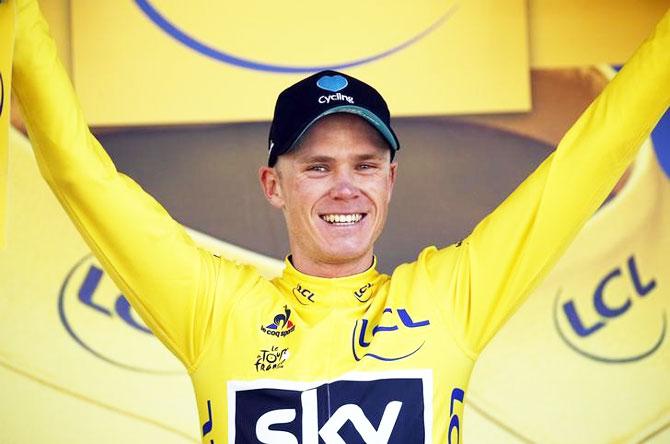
(342, 218)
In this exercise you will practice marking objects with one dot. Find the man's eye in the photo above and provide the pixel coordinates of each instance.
(317, 168)
(366, 166)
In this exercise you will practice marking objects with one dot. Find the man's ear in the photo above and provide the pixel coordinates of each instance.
(269, 178)
(393, 174)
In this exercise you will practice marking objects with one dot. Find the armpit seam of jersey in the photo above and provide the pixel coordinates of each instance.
(440, 307)
(464, 348)
(233, 300)
(460, 341)
(461, 344)
(208, 340)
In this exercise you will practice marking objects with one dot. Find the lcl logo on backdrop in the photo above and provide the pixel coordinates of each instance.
(598, 326)
(2, 94)
(187, 38)
(386, 407)
(98, 318)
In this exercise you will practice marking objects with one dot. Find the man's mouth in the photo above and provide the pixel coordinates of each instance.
(343, 219)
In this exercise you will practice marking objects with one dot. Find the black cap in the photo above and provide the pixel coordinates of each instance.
(322, 94)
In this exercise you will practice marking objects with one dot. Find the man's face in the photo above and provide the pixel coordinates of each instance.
(334, 189)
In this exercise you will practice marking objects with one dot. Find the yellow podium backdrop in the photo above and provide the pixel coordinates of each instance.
(160, 62)
(587, 358)
(6, 50)
(77, 365)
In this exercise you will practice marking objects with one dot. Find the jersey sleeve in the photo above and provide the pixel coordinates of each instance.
(167, 279)
(492, 271)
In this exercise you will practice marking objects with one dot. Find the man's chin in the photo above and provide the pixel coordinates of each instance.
(342, 247)
(346, 255)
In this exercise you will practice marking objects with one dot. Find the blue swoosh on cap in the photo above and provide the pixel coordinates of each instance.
(225, 57)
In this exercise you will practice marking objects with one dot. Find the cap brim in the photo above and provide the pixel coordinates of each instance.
(359, 111)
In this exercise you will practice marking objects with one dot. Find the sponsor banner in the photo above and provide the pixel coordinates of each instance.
(162, 62)
(591, 344)
(6, 50)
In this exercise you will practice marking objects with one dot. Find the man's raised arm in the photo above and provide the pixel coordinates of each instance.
(507, 254)
(165, 276)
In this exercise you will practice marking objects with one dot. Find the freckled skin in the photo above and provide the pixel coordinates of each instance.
(340, 166)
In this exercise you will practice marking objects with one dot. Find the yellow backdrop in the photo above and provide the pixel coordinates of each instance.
(570, 33)
(586, 359)
(159, 61)
(6, 50)
(574, 365)
(75, 361)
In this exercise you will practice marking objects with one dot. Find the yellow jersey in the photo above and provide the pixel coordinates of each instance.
(365, 358)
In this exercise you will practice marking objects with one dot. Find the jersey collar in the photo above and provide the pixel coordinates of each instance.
(316, 291)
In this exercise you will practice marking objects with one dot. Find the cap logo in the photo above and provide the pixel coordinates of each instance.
(332, 83)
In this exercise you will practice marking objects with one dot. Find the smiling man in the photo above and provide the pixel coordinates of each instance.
(332, 351)
(330, 170)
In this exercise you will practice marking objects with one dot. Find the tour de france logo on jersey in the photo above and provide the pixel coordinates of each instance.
(100, 320)
(281, 324)
(622, 320)
(271, 358)
(394, 336)
(383, 407)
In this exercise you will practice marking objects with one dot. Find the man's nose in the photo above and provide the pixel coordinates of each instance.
(344, 186)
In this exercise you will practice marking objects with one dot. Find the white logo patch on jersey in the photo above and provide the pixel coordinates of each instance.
(382, 408)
